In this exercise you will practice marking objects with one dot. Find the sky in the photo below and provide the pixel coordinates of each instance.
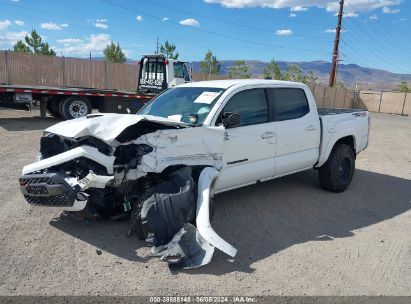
(375, 33)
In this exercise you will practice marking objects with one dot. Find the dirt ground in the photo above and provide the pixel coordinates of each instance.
(293, 238)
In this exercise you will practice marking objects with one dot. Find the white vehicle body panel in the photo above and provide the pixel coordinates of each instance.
(188, 146)
(339, 126)
(205, 192)
(297, 141)
(105, 127)
(248, 155)
(83, 151)
(229, 158)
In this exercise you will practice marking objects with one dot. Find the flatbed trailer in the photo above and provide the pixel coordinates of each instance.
(156, 74)
(67, 101)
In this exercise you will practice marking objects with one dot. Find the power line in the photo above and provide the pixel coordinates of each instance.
(285, 19)
(376, 39)
(214, 33)
(370, 51)
(373, 47)
(387, 35)
(111, 30)
(252, 27)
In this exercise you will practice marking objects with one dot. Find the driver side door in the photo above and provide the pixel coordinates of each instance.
(248, 149)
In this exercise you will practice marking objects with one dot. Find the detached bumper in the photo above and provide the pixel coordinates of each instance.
(51, 190)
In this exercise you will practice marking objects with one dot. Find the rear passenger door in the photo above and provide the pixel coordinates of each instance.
(298, 129)
(249, 149)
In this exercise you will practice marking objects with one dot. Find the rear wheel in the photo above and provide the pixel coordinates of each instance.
(337, 173)
(75, 107)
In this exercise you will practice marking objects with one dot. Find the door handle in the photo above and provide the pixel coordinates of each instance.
(267, 135)
(311, 128)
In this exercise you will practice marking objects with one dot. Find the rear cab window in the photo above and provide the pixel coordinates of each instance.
(180, 71)
(287, 103)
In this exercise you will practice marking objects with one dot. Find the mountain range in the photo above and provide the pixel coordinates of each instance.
(350, 74)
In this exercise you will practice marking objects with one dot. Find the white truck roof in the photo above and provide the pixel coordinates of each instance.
(224, 84)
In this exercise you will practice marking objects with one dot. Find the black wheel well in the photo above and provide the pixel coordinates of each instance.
(196, 170)
(349, 141)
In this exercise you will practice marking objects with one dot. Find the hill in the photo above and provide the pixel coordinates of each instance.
(350, 74)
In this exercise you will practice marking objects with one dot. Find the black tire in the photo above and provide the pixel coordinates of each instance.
(53, 107)
(337, 173)
(75, 107)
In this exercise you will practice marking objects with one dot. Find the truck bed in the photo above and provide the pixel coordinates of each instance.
(334, 125)
(332, 111)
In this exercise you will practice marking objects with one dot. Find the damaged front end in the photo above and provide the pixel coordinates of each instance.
(157, 172)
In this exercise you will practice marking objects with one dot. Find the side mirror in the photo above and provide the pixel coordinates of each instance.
(231, 120)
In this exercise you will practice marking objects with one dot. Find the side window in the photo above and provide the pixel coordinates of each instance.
(251, 105)
(178, 69)
(186, 74)
(287, 103)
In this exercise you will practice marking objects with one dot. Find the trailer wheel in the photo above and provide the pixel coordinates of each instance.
(336, 174)
(53, 106)
(75, 107)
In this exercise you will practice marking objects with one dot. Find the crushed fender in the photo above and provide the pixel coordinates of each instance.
(171, 205)
(188, 249)
(155, 171)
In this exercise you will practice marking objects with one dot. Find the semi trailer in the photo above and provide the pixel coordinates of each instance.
(156, 74)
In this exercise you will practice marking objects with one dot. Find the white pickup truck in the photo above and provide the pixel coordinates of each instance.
(162, 166)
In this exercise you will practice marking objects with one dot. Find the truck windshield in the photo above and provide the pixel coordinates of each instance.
(182, 104)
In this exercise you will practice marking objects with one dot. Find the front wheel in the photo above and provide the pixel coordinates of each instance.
(337, 173)
(75, 107)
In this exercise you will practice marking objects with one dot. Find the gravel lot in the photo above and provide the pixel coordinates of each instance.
(293, 238)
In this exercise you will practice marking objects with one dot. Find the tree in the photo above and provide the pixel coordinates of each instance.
(402, 87)
(39, 47)
(239, 70)
(114, 53)
(210, 65)
(20, 46)
(294, 73)
(168, 50)
(310, 78)
(35, 42)
(339, 85)
(272, 71)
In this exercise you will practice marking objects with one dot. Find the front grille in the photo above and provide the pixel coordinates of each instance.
(36, 180)
(57, 200)
(48, 189)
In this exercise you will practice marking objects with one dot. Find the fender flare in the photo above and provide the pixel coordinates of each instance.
(325, 153)
(205, 182)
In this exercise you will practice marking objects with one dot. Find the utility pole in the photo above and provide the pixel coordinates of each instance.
(157, 46)
(333, 70)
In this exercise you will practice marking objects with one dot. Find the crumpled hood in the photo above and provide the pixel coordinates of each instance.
(105, 126)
